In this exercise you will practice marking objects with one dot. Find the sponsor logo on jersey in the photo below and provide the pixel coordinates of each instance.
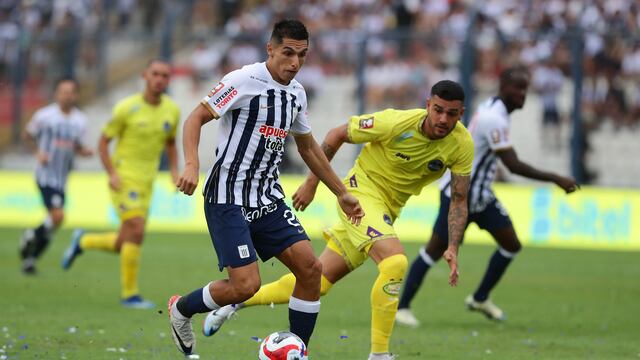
(392, 288)
(215, 90)
(404, 136)
(403, 156)
(435, 165)
(274, 136)
(495, 136)
(366, 123)
(226, 96)
(251, 214)
(373, 233)
(258, 79)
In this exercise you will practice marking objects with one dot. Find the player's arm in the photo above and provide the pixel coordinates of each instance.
(515, 165)
(318, 163)
(29, 137)
(332, 142)
(458, 212)
(172, 157)
(105, 157)
(201, 115)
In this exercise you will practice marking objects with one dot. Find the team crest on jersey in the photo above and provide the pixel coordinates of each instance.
(274, 137)
(373, 233)
(366, 123)
(404, 136)
(387, 219)
(133, 195)
(166, 126)
(353, 182)
(435, 165)
(495, 136)
(392, 288)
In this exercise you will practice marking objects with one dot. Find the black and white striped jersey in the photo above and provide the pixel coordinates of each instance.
(489, 128)
(59, 135)
(255, 113)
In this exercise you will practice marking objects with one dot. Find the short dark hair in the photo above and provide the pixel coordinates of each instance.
(448, 90)
(290, 29)
(509, 74)
(65, 79)
(157, 60)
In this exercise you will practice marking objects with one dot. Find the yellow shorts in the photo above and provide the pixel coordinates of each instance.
(353, 242)
(132, 200)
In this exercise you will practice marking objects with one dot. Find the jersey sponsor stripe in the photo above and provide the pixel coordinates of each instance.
(234, 168)
(257, 157)
(276, 157)
(475, 176)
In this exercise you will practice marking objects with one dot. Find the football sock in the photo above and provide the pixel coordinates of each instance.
(42, 238)
(197, 302)
(279, 291)
(99, 241)
(497, 266)
(384, 300)
(302, 317)
(129, 265)
(417, 272)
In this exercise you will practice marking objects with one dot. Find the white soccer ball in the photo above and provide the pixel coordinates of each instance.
(282, 345)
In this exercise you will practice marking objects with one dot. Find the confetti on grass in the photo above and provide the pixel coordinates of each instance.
(344, 337)
(256, 339)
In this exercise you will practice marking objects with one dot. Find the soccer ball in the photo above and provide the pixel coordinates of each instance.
(282, 345)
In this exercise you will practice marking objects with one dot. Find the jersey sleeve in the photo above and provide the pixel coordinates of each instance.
(230, 93)
(300, 125)
(464, 161)
(36, 125)
(371, 127)
(116, 125)
(176, 122)
(496, 132)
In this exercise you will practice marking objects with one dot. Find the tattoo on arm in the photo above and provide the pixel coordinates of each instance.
(458, 209)
(329, 152)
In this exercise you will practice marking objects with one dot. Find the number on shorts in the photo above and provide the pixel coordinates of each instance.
(291, 218)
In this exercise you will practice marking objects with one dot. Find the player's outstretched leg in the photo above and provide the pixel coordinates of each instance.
(427, 257)
(26, 249)
(384, 297)
(82, 241)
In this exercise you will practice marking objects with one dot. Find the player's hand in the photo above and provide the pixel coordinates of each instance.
(567, 184)
(351, 206)
(451, 256)
(42, 157)
(188, 182)
(304, 195)
(114, 181)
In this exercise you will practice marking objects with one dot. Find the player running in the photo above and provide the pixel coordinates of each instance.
(145, 124)
(490, 130)
(56, 133)
(257, 106)
(405, 151)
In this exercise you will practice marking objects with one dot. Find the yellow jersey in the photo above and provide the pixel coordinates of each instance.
(142, 130)
(399, 159)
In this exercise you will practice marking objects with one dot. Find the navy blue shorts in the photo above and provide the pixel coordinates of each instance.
(493, 218)
(53, 198)
(238, 232)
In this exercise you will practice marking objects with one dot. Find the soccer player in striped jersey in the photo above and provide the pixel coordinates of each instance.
(405, 151)
(144, 125)
(256, 107)
(56, 133)
(490, 130)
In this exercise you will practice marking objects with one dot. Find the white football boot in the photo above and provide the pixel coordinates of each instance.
(214, 320)
(181, 330)
(405, 317)
(487, 307)
(385, 356)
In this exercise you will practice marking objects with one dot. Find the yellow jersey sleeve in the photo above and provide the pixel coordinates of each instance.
(463, 163)
(371, 127)
(116, 125)
(176, 122)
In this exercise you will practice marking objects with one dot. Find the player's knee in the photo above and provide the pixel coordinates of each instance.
(513, 247)
(394, 266)
(310, 272)
(57, 217)
(246, 288)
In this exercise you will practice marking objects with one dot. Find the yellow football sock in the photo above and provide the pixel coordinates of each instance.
(100, 241)
(129, 264)
(384, 300)
(279, 291)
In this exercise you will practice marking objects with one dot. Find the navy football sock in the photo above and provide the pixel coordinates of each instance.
(302, 317)
(41, 241)
(197, 302)
(417, 272)
(497, 266)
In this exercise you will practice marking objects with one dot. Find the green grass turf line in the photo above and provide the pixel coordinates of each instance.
(561, 304)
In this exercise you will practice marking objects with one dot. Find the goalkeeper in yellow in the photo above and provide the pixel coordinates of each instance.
(144, 125)
(405, 150)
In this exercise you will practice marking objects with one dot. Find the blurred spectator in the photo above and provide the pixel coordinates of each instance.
(547, 81)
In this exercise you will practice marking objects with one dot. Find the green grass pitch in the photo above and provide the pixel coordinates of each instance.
(561, 304)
